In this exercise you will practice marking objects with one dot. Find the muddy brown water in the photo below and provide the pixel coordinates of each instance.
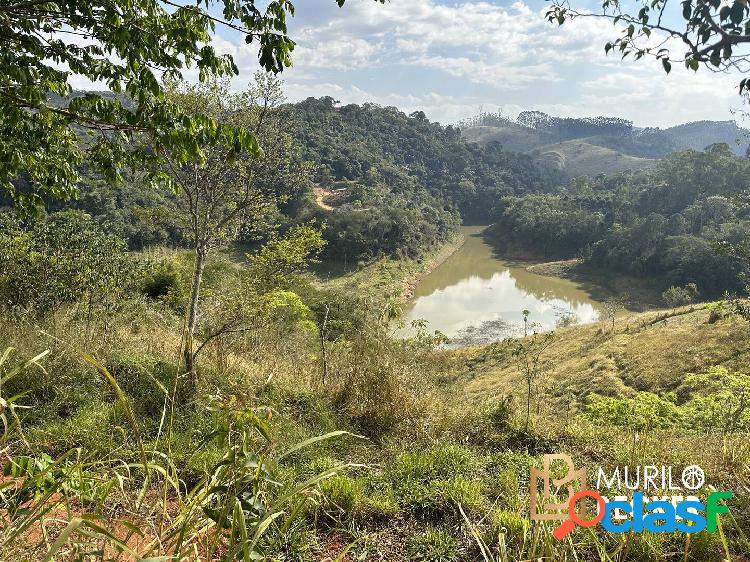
(476, 297)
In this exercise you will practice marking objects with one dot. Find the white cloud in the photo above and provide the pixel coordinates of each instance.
(506, 47)
(338, 53)
(449, 60)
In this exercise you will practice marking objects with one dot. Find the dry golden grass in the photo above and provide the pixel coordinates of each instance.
(648, 351)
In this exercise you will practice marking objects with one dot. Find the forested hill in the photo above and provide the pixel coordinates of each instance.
(396, 184)
(590, 146)
(382, 182)
(700, 134)
(384, 147)
(675, 223)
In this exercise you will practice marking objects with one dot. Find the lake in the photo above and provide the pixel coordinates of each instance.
(473, 297)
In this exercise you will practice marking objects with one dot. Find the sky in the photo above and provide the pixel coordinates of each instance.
(453, 59)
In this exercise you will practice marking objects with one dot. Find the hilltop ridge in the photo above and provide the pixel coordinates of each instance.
(595, 145)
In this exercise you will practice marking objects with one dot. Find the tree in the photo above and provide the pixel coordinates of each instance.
(680, 296)
(528, 353)
(263, 295)
(45, 135)
(712, 33)
(230, 193)
(65, 258)
(612, 307)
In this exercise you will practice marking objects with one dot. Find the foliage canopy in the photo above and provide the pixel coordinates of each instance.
(45, 134)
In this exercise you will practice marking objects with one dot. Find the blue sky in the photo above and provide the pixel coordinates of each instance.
(450, 59)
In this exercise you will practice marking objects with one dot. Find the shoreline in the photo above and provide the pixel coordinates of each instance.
(644, 294)
(410, 282)
(559, 268)
(391, 277)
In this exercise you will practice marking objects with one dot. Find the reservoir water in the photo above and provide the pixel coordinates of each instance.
(474, 297)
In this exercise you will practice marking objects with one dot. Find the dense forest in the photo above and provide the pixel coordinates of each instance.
(403, 184)
(669, 223)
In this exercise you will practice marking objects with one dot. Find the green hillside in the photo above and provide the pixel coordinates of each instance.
(582, 158)
(638, 355)
(700, 134)
(598, 145)
(578, 157)
(511, 136)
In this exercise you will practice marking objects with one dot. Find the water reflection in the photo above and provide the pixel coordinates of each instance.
(476, 298)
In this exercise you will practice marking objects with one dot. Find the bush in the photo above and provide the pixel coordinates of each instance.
(66, 258)
(162, 280)
(434, 545)
(680, 296)
(381, 390)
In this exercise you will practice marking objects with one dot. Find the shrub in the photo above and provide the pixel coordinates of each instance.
(162, 280)
(65, 258)
(434, 545)
(148, 383)
(680, 296)
(646, 411)
(379, 393)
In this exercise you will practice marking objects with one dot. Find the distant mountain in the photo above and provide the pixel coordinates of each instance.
(700, 134)
(595, 145)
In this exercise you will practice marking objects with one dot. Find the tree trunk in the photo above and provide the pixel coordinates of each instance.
(323, 347)
(528, 401)
(191, 382)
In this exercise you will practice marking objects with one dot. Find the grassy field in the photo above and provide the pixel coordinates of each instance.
(403, 453)
(581, 158)
(578, 157)
(640, 353)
